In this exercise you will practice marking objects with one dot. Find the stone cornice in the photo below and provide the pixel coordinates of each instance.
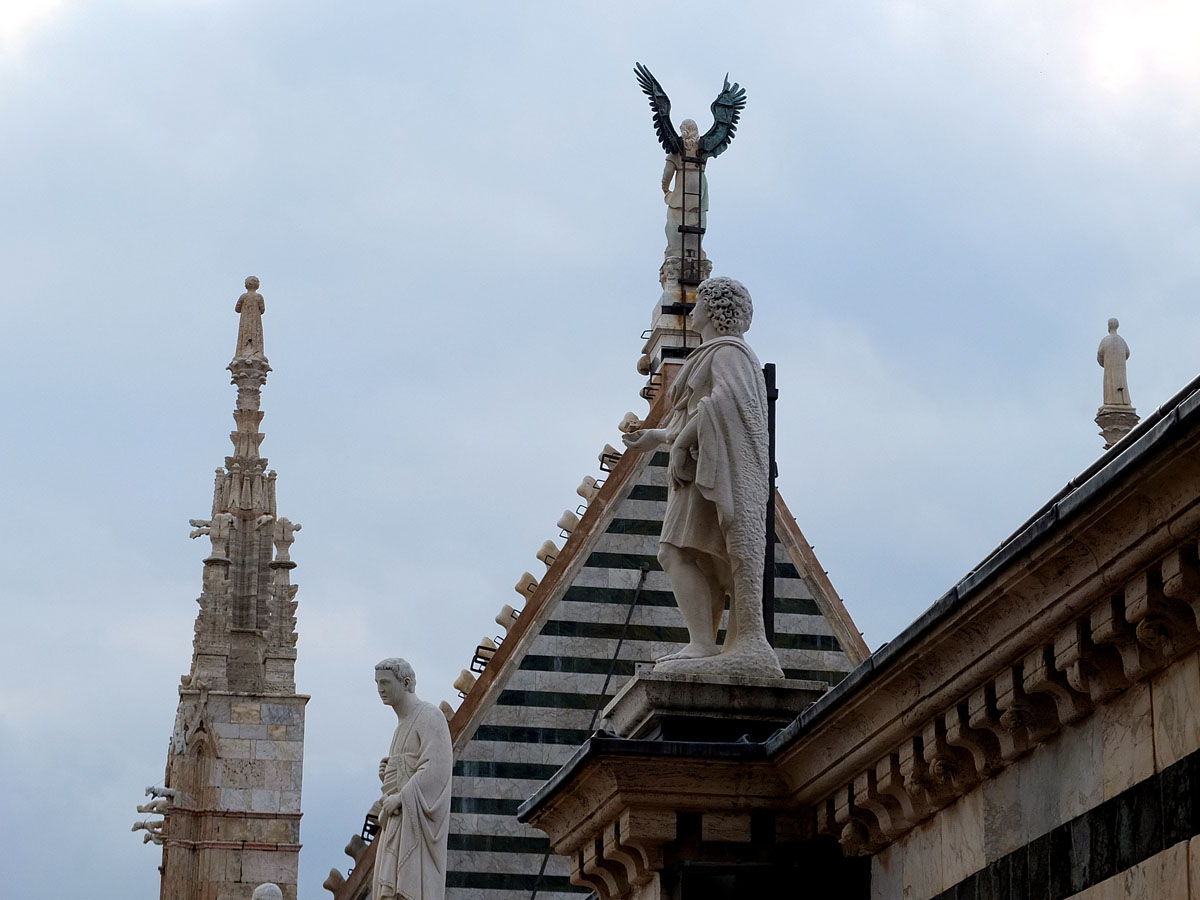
(1096, 592)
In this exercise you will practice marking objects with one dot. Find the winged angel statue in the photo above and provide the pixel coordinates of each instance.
(685, 187)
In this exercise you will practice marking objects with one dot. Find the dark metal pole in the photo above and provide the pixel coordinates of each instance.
(772, 472)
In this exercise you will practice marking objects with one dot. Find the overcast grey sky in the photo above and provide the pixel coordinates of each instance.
(454, 210)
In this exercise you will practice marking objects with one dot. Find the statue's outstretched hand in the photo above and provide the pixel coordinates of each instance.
(645, 439)
(391, 803)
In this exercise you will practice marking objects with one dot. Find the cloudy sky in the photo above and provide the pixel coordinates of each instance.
(455, 214)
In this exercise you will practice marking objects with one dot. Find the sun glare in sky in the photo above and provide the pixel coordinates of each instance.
(19, 17)
(1132, 42)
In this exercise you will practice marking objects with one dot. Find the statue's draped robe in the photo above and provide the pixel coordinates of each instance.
(250, 327)
(722, 511)
(696, 209)
(1112, 355)
(410, 863)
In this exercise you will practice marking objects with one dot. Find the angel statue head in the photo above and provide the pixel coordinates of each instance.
(727, 303)
(725, 109)
(689, 133)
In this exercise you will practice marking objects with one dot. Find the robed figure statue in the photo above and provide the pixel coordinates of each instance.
(713, 542)
(414, 811)
(1112, 354)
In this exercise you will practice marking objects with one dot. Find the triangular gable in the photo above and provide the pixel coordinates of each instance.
(537, 699)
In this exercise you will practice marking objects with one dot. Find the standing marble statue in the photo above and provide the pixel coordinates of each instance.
(1111, 355)
(713, 540)
(414, 811)
(250, 327)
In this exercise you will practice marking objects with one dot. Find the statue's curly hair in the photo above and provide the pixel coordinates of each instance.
(400, 668)
(728, 303)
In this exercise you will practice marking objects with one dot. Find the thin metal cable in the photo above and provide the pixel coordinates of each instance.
(612, 667)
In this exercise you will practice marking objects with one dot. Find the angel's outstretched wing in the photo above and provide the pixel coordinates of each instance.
(661, 104)
(725, 109)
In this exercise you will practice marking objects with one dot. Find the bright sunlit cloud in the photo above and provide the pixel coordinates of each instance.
(19, 17)
(1130, 43)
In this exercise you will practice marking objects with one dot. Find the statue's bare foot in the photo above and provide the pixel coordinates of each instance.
(692, 651)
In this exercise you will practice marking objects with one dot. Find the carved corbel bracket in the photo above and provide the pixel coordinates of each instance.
(607, 877)
(1088, 667)
(886, 808)
(854, 827)
(1109, 626)
(1033, 717)
(901, 778)
(918, 782)
(1160, 623)
(971, 726)
(628, 853)
(1041, 678)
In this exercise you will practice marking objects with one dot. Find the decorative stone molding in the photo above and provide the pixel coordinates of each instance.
(1128, 636)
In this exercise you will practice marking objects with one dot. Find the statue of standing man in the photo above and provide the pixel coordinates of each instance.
(414, 811)
(1112, 355)
(713, 541)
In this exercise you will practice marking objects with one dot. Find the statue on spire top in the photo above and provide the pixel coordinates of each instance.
(250, 327)
(685, 187)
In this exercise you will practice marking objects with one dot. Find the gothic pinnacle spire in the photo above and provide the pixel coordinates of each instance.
(238, 703)
(247, 587)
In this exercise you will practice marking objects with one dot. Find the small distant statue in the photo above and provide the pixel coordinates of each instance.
(414, 811)
(713, 542)
(250, 327)
(685, 187)
(1112, 355)
(158, 806)
(153, 829)
(267, 891)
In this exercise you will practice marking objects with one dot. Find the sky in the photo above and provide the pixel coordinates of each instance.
(455, 213)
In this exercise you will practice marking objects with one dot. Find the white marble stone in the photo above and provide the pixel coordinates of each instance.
(1003, 816)
(1173, 694)
(923, 876)
(1127, 736)
(887, 874)
(1164, 875)
(962, 838)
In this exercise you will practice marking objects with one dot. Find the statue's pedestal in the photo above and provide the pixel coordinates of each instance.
(679, 707)
(685, 801)
(1115, 422)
